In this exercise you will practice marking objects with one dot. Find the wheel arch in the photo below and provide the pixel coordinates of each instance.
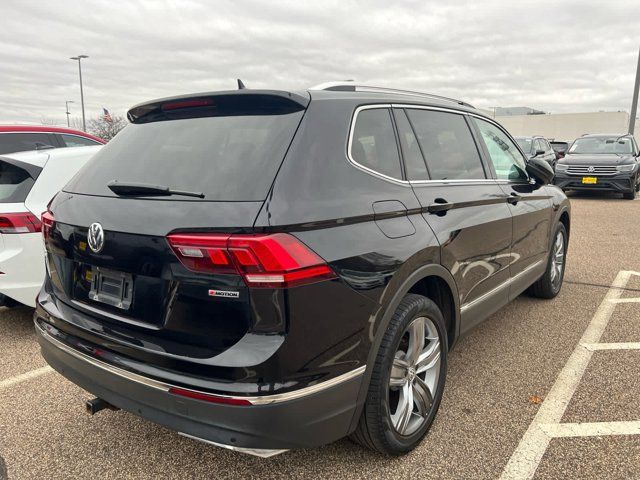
(436, 283)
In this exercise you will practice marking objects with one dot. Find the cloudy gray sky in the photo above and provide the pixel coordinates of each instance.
(559, 56)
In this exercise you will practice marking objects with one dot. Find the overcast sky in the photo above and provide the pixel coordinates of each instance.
(558, 56)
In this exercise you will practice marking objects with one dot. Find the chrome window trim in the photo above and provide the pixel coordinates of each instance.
(159, 385)
(359, 166)
(408, 183)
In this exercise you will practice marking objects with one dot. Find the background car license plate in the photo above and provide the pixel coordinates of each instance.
(589, 180)
(111, 287)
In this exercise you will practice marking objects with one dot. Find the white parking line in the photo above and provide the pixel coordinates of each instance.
(626, 300)
(595, 429)
(612, 346)
(25, 376)
(526, 458)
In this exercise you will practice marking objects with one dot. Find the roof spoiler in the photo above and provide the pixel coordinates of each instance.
(232, 102)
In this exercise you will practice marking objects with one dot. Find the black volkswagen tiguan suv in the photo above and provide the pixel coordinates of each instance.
(265, 270)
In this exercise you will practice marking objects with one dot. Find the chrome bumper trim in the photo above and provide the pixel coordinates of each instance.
(465, 306)
(257, 452)
(258, 400)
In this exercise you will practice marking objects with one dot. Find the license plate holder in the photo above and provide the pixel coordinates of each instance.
(590, 180)
(111, 287)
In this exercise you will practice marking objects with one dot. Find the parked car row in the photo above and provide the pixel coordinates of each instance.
(265, 270)
(600, 162)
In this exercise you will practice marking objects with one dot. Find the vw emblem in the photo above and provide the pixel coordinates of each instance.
(95, 237)
(591, 169)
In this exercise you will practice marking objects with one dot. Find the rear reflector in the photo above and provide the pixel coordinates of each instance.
(19, 223)
(275, 260)
(206, 397)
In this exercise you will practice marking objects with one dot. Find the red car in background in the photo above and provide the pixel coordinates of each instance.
(20, 138)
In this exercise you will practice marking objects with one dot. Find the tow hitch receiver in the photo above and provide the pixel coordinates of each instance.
(94, 405)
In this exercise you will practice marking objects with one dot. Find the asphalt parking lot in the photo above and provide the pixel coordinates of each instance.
(543, 389)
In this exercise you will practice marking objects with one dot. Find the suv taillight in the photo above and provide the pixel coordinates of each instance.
(47, 223)
(19, 223)
(264, 260)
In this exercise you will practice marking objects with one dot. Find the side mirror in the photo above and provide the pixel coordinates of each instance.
(540, 171)
(538, 152)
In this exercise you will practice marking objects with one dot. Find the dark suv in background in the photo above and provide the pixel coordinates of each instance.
(599, 162)
(265, 270)
(538, 147)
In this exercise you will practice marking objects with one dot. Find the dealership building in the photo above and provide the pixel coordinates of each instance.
(525, 121)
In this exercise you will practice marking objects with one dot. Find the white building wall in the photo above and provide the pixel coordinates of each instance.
(566, 126)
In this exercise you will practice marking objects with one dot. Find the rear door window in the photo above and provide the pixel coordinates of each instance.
(447, 145)
(15, 183)
(374, 143)
(77, 141)
(413, 159)
(22, 142)
(507, 160)
(227, 157)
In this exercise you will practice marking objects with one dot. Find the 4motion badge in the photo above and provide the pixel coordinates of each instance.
(224, 293)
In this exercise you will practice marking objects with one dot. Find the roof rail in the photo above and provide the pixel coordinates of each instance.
(353, 87)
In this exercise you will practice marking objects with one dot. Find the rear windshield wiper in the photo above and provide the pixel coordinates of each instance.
(143, 189)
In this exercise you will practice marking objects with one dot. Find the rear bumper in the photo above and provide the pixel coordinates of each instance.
(617, 183)
(308, 417)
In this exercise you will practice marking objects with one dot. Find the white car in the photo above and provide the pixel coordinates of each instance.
(28, 182)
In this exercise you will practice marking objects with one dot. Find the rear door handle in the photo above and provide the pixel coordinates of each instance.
(513, 198)
(439, 206)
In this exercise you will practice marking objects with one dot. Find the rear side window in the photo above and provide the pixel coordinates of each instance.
(506, 158)
(15, 183)
(374, 145)
(77, 141)
(447, 145)
(21, 142)
(231, 157)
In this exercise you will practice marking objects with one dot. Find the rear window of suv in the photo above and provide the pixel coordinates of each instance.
(228, 158)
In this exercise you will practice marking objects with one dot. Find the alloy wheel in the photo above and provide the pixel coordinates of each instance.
(414, 376)
(557, 261)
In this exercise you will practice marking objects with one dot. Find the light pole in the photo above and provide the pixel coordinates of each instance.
(79, 58)
(67, 102)
(634, 102)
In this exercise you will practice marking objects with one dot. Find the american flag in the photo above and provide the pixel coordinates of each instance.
(106, 115)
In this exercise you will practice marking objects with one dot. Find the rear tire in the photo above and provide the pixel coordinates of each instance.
(407, 381)
(549, 285)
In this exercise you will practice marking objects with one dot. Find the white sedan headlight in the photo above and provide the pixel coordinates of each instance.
(626, 168)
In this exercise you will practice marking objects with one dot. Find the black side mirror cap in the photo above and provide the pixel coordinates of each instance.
(538, 152)
(540, 171)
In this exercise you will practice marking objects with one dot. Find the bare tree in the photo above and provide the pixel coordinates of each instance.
(106, 128)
